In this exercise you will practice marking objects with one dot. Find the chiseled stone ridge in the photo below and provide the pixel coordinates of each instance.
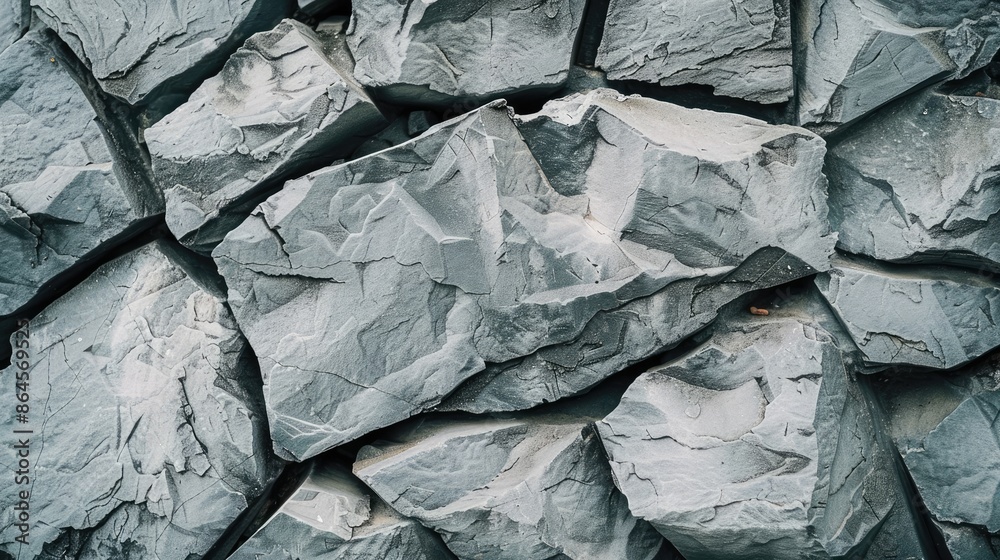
(528, 488)
(755, 445)
(919, 181)
(148, 435)
(280, 103)
(925, 317)
(138, 50)
(61, 194)
(371, 289)
(447, 51)
(859, 54)
(742, 48)
(332, 516)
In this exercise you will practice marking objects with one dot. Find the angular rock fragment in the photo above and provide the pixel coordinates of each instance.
(331, 516)
(280, 104)
(932, 318)
(918, 182)
(945, 429)
(63, 197)
(857, 55)
(528, 488)
(396, 277)
(741, 48)
(148, 438)
(138, 51)
(435, 53)
(755, 445)
(15, 16)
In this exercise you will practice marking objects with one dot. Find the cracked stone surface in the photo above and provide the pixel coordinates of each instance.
(456, 249)
(945, 428)
(153, 438)
(532, 487)
(137, 52)
(741, 48)
(859, 54)
(61, 196)
(283, 101)
(450, 51)
(755, 445)
(14, 19)
(930, 318)
(332, 516)
(917, 182)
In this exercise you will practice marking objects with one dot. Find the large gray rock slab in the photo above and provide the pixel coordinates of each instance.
(436, 53)
(396, 277)
(63, 197)
(944, 427)
(741, 48)
(148, 435)
(917, 182)
(281, 103)
(527, 488)
(856, 55)
(138, 51)
(15, 15)
(924, 317)
(757, 444)
(332, 516)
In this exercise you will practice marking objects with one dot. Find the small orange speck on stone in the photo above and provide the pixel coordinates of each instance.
(52, 59)
(757, 311)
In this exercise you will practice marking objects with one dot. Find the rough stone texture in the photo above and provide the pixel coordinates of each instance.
(931, 318)
(918, 182)
(138, 51)
(859, 54)
(741, 48)
(436, 53)
(280, 104)
(454, 250)
(527, 488)
(331, 516)
(61, 195)
(14, 18)
(945, 429)
(148, 435)
(755, 445)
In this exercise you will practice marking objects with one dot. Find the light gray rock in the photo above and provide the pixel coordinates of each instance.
(529, 488)
(742, 48)
(332, 516)
(148, 435)
(857, 55)
(755, 445)
(433, 53)
(138, 51)
(932, 318)
(917, 182)
(281, 103)
(62, 196)
(15, 15)
(416, 266)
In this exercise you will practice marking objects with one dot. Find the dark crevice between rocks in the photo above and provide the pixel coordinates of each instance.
(932, 542)
(312, 12)
(595, 16)
(696, 96)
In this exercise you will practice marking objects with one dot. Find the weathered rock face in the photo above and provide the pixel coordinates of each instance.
(528, 488)
(454, 250)
(917, 182)
(137, 52)
(148, 438)
(438, 53)
(61, 196)
(332, 516)
(14, 19)
(741, 48)
(945, 429)
(755, 445)
(859, 54)
(913, 316)
(280, 104)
